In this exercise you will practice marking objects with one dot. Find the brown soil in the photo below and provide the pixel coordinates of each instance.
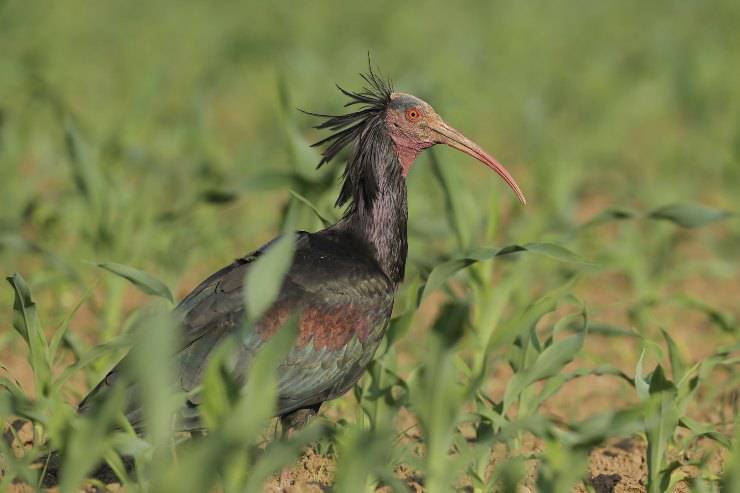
(616, 467)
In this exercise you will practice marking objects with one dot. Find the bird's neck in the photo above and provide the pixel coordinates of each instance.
(381, 223)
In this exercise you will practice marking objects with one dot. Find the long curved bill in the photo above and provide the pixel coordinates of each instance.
(456, 140)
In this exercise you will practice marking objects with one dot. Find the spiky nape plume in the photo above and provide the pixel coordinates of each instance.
(366, 131)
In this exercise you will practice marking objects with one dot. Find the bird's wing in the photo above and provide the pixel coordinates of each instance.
(342, 303)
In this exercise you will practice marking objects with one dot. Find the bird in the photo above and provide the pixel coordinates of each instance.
(341, 285)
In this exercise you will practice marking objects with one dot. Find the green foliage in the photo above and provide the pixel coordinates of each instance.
(664, 407)
(26, 323)
(436, 395)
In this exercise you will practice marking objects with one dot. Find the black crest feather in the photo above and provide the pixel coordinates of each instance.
(365, 130)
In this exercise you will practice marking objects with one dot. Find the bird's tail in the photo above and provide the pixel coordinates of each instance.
(51, 466)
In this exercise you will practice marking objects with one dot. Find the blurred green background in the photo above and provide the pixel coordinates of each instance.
(590, 104)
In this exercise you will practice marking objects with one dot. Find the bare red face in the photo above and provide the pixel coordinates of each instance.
(414, 126)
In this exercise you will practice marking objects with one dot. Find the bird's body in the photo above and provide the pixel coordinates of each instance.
(342, 301)
(341, 285)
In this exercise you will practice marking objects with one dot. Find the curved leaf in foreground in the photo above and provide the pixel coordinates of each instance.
(145, 282)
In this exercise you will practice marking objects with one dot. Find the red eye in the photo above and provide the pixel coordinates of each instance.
(412, 114)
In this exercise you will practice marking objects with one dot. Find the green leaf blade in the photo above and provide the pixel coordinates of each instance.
(140, 279)
(265, 276)
(26, 322)
(447, 269)
(689, 215)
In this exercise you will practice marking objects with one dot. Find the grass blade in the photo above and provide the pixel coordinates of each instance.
(688, 215)
(26, 323)
(445, 270)
(265, 276)
(326, 222)
(145, 282)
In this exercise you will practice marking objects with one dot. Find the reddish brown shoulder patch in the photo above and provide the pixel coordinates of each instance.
(333, 326)
(326, 326)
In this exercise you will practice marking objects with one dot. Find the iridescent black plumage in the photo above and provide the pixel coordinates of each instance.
(360, 129)
(341, 284)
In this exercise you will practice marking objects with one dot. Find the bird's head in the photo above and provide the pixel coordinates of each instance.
(414, 126)
(395, 123)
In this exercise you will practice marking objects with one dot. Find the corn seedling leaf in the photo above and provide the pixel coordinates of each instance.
(550, 362)
(608, 215)
(705, 430)
(661, 420)
(678, 366)
(26, 323)
(149, 365)
(688, 215)
(143, 281)
(445, 270)
(641, 385)
(265, 276)
(326, 222)
(220, 388)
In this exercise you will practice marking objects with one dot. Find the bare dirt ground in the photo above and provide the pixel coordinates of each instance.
(617, 467)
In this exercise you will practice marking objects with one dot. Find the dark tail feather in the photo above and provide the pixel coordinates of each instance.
(51, 470)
